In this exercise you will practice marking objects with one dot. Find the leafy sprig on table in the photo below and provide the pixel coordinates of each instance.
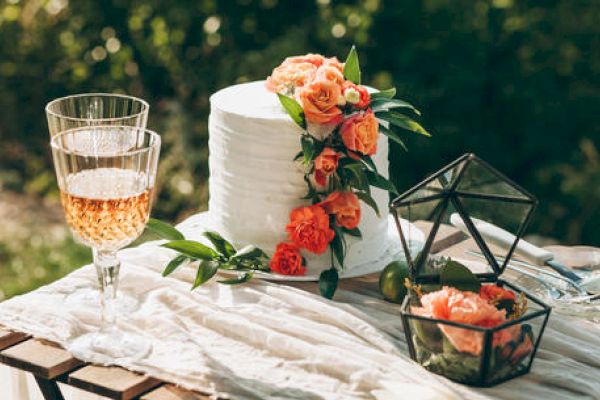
(222, 255)
(355, 172)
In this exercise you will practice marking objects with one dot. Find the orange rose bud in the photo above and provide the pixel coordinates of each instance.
(325, 165)
(364, 98)
(287, 260)
(493, 293)
(360, 133)
(309, 228)
(319, 101)
(346, 208)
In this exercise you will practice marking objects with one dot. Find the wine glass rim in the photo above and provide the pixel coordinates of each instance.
(156, 142)
(145, 106)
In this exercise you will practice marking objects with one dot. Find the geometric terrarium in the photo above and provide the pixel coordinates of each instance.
(485, 330)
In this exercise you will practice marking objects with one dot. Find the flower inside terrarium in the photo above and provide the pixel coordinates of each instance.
(472, 332)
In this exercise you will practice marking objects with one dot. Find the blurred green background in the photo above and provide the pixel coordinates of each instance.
(516, 82)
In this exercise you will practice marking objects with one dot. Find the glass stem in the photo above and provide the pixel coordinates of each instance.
(107, 265)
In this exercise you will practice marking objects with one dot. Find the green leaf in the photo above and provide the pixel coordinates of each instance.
(308, 149)
(337, 246)
(382, 104)
(394, 136)
(404, 122)
(164, 230)
(174, 264)
(353, 232)
(367, 199)
(206, 270)
(379, 181)
(369, 162)
(221, 245)
(328, 281)
(192, 249)
(238, 279)
(360, 180)
(293, 108)
(384, 94)
(352, 67)
(457, 275)
(249, 252)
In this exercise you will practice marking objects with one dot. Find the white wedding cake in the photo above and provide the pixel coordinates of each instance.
(254, 182)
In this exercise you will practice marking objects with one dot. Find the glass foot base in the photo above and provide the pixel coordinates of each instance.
(124, 305)
(106, 346)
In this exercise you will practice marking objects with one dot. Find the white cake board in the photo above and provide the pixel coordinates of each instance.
(196, 224)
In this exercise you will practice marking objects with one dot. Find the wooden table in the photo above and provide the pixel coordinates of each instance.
(51, 364)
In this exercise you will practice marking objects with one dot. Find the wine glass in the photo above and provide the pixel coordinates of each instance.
(92, 109)
(106, 176)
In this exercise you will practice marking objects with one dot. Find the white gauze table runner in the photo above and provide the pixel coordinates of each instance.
(268, 341)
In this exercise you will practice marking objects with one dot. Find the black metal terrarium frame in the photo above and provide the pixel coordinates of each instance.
(448, 194)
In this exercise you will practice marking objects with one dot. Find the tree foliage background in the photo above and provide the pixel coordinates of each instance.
(516, 82)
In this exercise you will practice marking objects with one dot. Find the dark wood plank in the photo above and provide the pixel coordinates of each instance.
(9, 338)
(42, 358)
(112, 382)
(172, 392)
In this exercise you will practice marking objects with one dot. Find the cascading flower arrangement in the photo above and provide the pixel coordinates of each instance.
(342, 121)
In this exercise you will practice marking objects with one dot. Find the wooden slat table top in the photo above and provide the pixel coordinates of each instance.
(42, 358)
(9, 338)
(112, 382)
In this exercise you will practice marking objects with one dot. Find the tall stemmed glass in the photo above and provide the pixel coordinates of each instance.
(106, 176)
(92, 109)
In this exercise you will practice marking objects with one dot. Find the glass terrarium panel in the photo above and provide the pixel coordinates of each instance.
(478, 178)
(451, 218)
(436, 184)
(487, 215)
(422, 215)
(451, 351)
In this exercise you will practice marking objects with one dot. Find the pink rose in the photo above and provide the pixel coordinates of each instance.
(316, 59)
(469, 308)
(287, 77)
(330, 73)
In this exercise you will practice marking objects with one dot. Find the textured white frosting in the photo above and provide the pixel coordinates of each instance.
(254, 182)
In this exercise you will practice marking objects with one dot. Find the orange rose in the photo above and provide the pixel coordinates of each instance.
(346, 208)
(289, 76)
(329, 73)
(325, 165)
(360, 133)
(363, 97)
(309, 228)
(287, 260)
(316, 59)
(319, 101)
